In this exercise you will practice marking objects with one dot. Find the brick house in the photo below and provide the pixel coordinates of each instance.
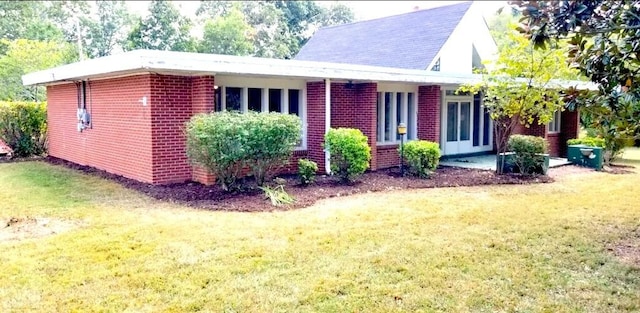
(126, 113)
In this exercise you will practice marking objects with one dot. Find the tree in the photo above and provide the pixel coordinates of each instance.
(336, 14)
(27, 20)
(228, 34)
(604, 44)
(280, 28)
(163, 29)
(521, 87)
(108, 30)
(24, 56)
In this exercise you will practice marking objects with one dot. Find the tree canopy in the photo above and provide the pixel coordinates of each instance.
(604, 44)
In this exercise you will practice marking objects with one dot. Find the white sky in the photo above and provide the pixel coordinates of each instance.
(364, 10)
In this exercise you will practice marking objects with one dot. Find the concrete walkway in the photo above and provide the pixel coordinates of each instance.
(488, 162)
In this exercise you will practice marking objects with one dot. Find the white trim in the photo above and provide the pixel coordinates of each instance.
(327, 121)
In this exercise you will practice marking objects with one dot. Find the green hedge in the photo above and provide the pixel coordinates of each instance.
(589, 141)
(349, 152)
(23, 127)
(227, 142)
(422, 157)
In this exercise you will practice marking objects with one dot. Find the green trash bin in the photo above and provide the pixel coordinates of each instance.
(587, 156)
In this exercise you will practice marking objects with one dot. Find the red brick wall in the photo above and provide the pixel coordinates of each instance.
(171, 108)
(429, 113)
(316, 125)
(202, 101)
(365, 116)
(388, 156)
(119, 140)
(343, 106)
(570, 129)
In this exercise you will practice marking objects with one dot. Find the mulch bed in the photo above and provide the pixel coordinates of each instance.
(252, 200)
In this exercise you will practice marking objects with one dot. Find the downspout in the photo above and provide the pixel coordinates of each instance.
(327, 121)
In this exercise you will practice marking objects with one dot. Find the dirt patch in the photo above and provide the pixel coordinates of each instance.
(19, 228)
(618, 169)
(627, 250)
(213, 198)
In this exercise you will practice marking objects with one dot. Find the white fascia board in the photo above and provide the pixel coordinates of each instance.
(113, 64)
(144, 61)
(198, 63)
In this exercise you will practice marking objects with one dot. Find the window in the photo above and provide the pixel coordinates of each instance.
(244, 99)
(233, 99)
(275, 100)
(554, 124)
(255, 99)
(436, 66)
(394, 108)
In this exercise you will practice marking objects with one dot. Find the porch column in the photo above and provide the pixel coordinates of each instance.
(429, 113)
(365, 117)
(316, 108)
(327, 121)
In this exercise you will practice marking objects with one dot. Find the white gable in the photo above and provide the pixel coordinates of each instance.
(456, 55)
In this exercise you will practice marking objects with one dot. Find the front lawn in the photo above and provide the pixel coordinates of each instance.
(566, 246)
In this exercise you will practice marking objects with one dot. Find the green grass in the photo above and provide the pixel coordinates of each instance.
(535, 248)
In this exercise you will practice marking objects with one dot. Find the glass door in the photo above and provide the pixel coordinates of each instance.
(458, 122)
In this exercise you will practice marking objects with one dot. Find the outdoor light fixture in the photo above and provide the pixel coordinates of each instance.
(349, 85)
(402, 130)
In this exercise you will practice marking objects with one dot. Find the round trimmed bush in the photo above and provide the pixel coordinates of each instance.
(349, 152)
(421, 157)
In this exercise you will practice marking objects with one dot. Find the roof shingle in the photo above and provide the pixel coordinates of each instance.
(409, 40)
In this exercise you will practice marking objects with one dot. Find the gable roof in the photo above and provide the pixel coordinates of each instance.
(411, 40)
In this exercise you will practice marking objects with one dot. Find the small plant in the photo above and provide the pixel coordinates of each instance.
(277, 195)
(529, 152)
(350, 152)
(421, 157)
(307, 171)
(589, 141)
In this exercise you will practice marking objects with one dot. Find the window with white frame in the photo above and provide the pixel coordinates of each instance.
(554, 124)
(394, 108)
(270, 98)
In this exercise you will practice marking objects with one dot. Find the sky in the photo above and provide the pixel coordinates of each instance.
(363, 10)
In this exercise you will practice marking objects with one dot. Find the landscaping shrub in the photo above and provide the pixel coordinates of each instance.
(307, 171)
(23, 127)
(350, 152)
(529, 150)
(227, 142)
(589, 141)
(421, 157)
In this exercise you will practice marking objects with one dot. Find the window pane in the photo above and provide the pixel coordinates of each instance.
(476, 120)
(234, 99)
(465, 120)
(399, 119)
(255, 99)
(452, 121)
(275, 100)
(387, 116)
(294, 101)
(218, 99)
(411, 122)
(486, 128)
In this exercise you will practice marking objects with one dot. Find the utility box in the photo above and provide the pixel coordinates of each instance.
(587, 156)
